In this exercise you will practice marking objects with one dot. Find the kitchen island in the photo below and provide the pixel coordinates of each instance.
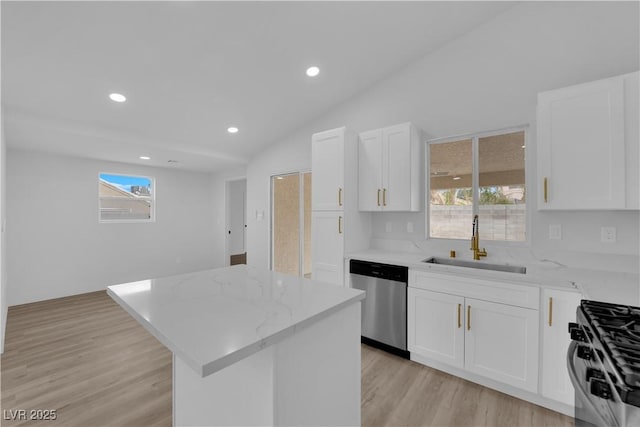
(254, 347)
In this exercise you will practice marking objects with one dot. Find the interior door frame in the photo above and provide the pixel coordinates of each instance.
(300, 173)
(227, 217)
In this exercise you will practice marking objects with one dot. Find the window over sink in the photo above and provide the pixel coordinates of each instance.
(478, 174)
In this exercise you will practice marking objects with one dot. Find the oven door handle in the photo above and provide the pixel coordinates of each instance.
(577, 383)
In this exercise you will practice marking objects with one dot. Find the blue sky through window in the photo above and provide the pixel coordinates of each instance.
(125, 182)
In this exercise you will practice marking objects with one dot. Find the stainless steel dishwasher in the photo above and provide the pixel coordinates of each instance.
(384, 310)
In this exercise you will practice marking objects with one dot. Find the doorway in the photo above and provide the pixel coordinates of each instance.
(236, 221)
(291, 223)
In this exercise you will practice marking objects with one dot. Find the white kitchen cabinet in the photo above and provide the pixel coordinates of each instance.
(436, 326)
(327, 246)
(559, 308)
(389, 172)
(501, 342)
(588, 145)
(336, 224)
(327, 165)
(485, 327)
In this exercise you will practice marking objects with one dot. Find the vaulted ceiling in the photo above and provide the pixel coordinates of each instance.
(190, 70)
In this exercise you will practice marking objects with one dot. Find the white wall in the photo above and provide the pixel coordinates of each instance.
(56, 247)
(3, 253)
(487, 79)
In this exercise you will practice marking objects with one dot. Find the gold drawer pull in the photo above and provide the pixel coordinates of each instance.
(339, 225)
(378, 197)
(545, 185)
(459, 320)
(468, 318)
(384, 197)
(339, 196)
(550, 311)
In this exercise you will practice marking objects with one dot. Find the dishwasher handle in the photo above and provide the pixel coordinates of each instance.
(382, 271)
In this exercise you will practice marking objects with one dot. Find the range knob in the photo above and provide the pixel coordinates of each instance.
(585, 352)
(600, 388)
(578, 335)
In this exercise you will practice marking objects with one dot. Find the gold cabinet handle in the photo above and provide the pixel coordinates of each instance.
(378, 197)
(339, 196)
(550, 311)
(384, 197)
(468, 318)
(339, 225)
(459, 320)
(545, 185)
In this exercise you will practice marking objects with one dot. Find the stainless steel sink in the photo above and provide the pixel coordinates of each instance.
(476, 264)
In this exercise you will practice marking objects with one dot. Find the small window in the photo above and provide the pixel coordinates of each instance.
(126, 198)
(484, 175)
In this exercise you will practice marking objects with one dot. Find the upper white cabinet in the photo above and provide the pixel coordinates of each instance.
(588, 145)
(559, 308)
(389, 169)
(327, 165)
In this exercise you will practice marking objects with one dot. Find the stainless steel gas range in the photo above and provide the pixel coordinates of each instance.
(604, 364)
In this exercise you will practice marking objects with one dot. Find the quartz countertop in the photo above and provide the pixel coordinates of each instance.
(594, 284)
(214, 318)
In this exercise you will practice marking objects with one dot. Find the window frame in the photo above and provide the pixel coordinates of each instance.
(152, 219)
(475, 173)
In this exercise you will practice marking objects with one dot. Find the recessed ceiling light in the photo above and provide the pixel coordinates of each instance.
(117, 97)
(455, 178)
(313, 71)
(232, 129)
(279, 177)
(145, 158)
(523, 146)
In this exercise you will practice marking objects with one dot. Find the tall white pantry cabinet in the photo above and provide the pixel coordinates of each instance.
(337, 226)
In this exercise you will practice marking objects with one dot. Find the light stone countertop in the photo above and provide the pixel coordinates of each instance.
(214, 318)
(594, 284)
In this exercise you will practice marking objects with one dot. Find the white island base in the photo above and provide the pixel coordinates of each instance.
(309, 378)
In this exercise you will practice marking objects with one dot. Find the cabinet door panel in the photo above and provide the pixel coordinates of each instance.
(396, 167)
(581, 140)
(328, 170)
(370, 171)
(501, 342)
(435, 326)
(327, 242)
(559, 308)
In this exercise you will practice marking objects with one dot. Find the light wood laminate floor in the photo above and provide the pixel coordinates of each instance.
(89, 360)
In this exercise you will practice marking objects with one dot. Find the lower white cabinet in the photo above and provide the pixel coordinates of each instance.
(435, 326)
(327, 246)
(492, 339)
(559, 308)
(501, 342)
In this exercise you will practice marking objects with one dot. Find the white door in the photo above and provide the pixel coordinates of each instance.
(501, 343)
(581, 146)
(396, 167)
(237, 216)
(370, 171)
(328, 170)
(559, 308)
(327, 243)
(436, 326)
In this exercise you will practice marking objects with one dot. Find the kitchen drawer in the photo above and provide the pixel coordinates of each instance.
(482, 289)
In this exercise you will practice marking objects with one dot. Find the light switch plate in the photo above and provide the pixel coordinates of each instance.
(608, 234)
(555, 232)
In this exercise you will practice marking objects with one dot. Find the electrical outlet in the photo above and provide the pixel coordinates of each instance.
(409, 227)
(555, 232)
(608, 234)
